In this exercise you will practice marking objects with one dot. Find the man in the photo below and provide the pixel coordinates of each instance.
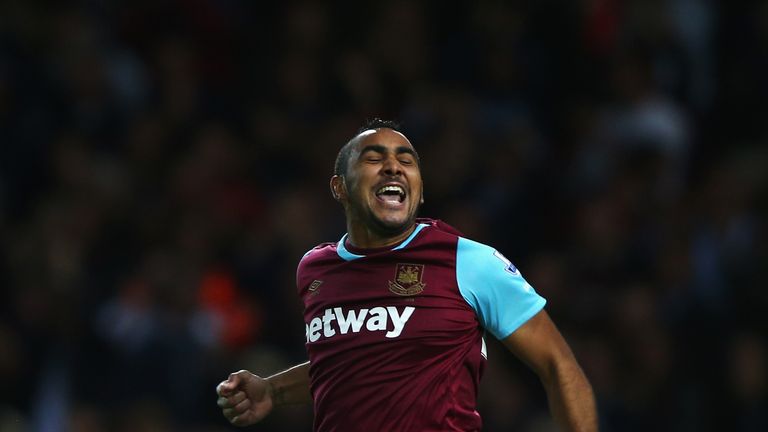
(396, 311)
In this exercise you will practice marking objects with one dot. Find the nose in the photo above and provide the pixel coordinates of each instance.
(392, 167)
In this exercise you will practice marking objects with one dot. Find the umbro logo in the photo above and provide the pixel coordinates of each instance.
(314, 286)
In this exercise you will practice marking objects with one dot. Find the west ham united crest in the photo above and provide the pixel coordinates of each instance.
(408, 280)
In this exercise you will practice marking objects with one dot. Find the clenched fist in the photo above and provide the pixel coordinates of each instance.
(245, 398)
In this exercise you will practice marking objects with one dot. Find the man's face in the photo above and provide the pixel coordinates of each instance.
(383, 182)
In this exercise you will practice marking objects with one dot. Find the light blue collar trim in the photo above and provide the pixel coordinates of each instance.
(405, 242)
(343, 252)
(349, 256)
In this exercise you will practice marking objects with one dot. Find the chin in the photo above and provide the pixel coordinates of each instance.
(393, 226)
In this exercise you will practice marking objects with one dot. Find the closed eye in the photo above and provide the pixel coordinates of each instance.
(375, 153)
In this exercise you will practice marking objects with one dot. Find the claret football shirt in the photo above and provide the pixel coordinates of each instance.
(395, 335)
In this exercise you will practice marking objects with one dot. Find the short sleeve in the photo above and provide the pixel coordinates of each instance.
(494, 288)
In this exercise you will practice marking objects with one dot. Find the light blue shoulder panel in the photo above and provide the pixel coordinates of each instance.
(494, 288)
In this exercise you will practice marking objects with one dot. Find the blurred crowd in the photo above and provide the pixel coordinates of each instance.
(164, 164)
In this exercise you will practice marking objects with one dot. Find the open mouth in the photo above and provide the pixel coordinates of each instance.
(391, 194)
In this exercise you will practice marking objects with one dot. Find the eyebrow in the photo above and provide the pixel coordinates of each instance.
(378, 148)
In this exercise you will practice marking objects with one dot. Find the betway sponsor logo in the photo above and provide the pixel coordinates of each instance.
(336, 321)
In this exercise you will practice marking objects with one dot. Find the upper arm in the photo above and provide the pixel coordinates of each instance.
(539, 344)
(494, 288)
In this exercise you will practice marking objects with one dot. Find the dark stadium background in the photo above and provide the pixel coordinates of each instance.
(164, 164)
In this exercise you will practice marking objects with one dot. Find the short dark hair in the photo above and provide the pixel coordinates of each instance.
(342, 159)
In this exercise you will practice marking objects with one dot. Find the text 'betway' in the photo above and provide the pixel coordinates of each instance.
(336, 321)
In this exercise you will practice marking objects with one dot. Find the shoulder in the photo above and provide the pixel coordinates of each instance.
(436, 234)
(318, 253)
(474, 254)
(438, 226)
(315, 258)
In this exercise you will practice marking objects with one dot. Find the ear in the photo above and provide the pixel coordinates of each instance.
(338, 189)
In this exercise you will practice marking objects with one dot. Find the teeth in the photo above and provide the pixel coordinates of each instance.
(386, 189)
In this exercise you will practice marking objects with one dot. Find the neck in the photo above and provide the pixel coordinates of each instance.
(366, 238)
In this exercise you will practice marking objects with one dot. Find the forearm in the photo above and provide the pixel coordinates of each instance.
(541, 346)
(291, 386)
(571, 399)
